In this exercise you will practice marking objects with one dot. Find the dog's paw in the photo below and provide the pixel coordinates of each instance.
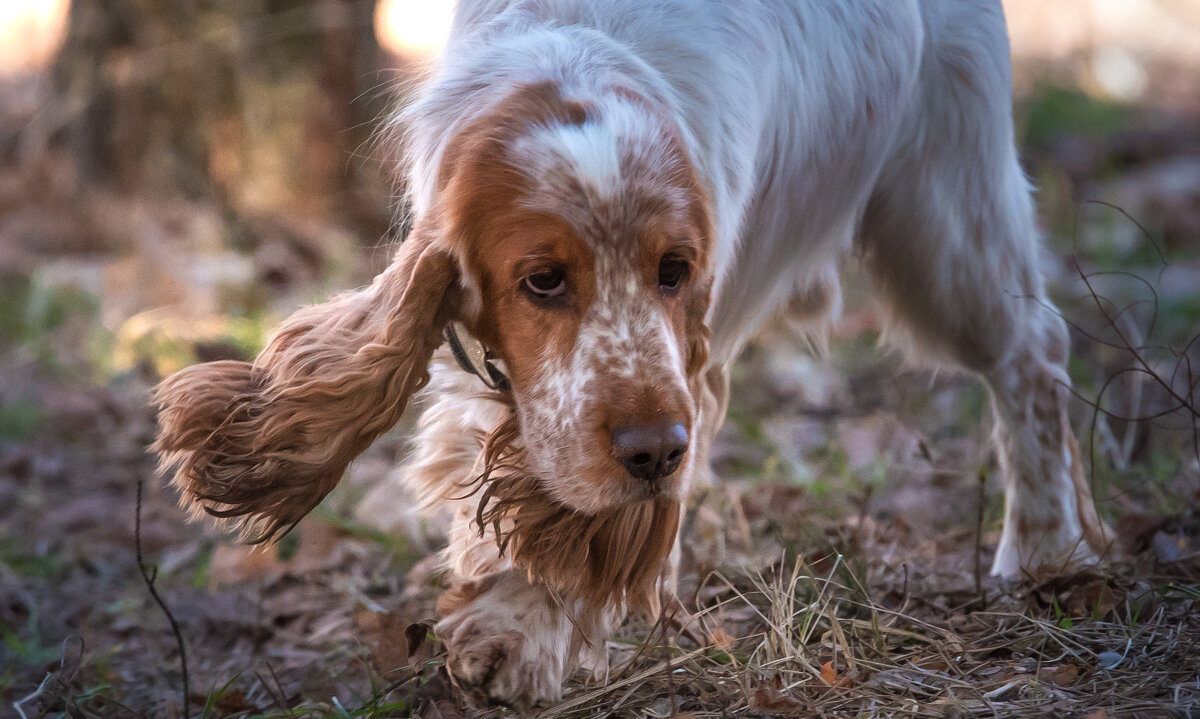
(1046, 554)
(1041, 544)
(1054, 531)
(508, 645)
(495, 663)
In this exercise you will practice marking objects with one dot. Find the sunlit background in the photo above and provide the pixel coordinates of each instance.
(30, 32)
(412, 26)
(1109, 45)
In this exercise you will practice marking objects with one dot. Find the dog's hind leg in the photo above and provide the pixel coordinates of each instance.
(949, 237)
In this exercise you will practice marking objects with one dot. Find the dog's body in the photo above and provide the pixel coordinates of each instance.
(613, 196)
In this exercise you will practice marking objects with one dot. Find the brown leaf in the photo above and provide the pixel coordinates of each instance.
(420, 650)
(770, 700)
(1136, 530)
(230, 702)
(394, 640)
(1084, 594)
(829, 675)
(318, 546)
(440, 709)
(721, 639)
(1063, 675)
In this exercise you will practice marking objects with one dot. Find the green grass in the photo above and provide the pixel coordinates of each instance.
(1052, 112)
(24, 563)
(19, 419)
(29, 311)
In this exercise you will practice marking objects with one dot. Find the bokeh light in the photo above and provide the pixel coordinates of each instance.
(31, 31)
(413, 27)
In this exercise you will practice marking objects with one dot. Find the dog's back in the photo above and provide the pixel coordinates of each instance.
(794, 109)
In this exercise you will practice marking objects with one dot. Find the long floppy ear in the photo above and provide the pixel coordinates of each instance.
(261, 444)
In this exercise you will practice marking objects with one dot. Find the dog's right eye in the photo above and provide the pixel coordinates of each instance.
(546, 284)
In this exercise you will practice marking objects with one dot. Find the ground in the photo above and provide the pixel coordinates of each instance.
(838, 569)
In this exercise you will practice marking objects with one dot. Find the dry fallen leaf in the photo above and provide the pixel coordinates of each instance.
(721, 639)
(770, 700)
(829, 674)
(1063, 675)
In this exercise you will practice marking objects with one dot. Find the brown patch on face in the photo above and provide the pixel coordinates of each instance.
(696, 307)
(502, 241)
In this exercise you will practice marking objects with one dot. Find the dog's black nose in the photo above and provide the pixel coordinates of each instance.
(650, 451)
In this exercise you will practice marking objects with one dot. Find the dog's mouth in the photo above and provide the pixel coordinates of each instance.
(666, 489)
(610, 487)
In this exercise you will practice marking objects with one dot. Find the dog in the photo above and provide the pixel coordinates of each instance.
(608, 198)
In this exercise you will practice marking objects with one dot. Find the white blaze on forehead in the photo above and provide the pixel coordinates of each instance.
(592, 151)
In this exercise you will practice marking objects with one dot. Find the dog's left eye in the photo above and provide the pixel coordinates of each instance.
(672, 271)
(546, 284)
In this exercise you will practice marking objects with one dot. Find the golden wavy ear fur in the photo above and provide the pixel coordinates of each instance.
(261, 443)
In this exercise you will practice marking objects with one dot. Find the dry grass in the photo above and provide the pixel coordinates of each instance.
(813, 649)
(814, 638)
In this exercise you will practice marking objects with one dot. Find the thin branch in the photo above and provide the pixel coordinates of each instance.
(148, 577)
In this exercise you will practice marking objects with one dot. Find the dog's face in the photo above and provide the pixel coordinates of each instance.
(574, 241)
(584, 240)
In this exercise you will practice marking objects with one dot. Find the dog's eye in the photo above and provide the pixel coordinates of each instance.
(672, 271)
(545, 284)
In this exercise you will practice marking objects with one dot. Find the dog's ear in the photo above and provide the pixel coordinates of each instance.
(261, 444)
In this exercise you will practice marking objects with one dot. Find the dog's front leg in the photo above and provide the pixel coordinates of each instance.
(510, 641)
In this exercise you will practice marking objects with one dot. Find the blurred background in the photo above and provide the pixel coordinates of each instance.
(192, 168)
(178, 175)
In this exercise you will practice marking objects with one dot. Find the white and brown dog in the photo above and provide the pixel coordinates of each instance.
(611, 197)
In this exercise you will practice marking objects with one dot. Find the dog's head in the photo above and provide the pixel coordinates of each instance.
(583, 238)
(571, 237)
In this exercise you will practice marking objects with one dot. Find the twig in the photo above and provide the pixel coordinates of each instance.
(148, 577)
(278, 687)
(979, 541)
(270, 692)
(31, 696)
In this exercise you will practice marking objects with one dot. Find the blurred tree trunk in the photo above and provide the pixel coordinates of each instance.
(261, 105)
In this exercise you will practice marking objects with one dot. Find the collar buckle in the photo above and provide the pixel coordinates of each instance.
(473, 357)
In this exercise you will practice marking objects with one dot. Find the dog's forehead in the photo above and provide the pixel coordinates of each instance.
(610, 176)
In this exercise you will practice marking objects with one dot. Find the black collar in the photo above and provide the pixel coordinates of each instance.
(473, 357)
